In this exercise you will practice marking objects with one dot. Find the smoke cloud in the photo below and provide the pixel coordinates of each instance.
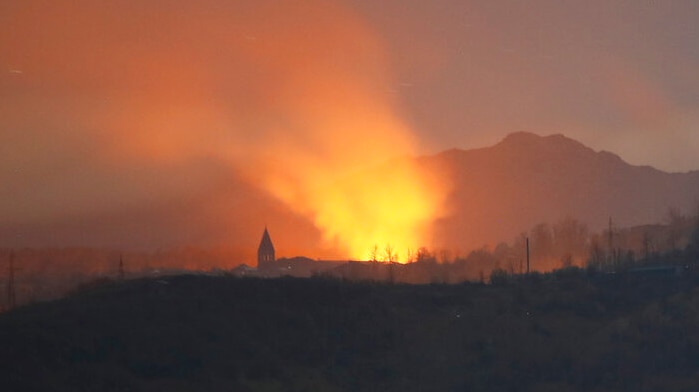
(108, 106)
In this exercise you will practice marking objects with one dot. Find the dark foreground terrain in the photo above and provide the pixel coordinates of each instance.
(567, 331)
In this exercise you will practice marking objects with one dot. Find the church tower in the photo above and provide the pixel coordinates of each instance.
(265, 253)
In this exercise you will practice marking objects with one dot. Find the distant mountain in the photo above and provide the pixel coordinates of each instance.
(500, 191)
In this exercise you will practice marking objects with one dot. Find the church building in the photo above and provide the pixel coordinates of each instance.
(265, 252)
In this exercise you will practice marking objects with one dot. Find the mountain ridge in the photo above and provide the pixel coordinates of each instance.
(517, 138)
(525, 179)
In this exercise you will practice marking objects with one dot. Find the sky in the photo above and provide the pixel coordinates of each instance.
(153, 123)
(616, 75)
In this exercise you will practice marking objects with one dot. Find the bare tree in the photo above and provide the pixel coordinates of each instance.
(542, 241)
(647, 243)
(424, 255)
(410, 256)
(570, 238)
(676, 223)
(374, 253)
(597, 256)
(444, 256)
(390, 254)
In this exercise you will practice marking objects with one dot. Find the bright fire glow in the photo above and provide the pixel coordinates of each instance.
(391, 208)
(329, 151)
(385, 206)
(350, 183)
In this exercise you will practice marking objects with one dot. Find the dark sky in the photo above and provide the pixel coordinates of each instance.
(108, 108)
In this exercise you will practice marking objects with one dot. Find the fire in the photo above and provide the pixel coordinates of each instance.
(362, 201)
(330, 151)
(387, 209)
(295, 97)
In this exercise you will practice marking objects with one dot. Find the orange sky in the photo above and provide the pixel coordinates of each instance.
(130, 111)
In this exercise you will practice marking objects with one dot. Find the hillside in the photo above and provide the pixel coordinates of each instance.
(561, 332)
(500, 191)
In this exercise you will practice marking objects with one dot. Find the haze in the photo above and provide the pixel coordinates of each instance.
(156, 124)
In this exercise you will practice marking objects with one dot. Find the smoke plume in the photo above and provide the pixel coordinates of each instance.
(129, 103)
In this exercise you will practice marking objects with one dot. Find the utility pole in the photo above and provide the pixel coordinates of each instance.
(611, 241)
(121, 267)
(527, 255)
(11, 294)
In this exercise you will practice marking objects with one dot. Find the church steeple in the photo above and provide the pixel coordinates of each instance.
(265, 252)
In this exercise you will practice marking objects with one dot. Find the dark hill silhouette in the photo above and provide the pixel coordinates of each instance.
(525, 179)
(561, 332)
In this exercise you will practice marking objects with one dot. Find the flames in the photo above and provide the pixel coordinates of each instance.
(388, 210)
(330, 150)
(295, 97)
(362, 208)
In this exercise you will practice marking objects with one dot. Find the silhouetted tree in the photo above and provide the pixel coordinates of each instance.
(425, 256)
(542, 241)
(647, 244)
(445, 256)
(390, 254)
(676, 226)
(410, 256)
(570, 238)
(499, 277)
(597, 255)
(374, 253)
(693, 245)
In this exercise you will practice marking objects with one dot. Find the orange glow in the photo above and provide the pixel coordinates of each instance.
(361, 207)
(391, 207)
(294, 97)
(338, 125)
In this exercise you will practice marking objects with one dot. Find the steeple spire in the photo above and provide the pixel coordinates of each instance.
(265, 252)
